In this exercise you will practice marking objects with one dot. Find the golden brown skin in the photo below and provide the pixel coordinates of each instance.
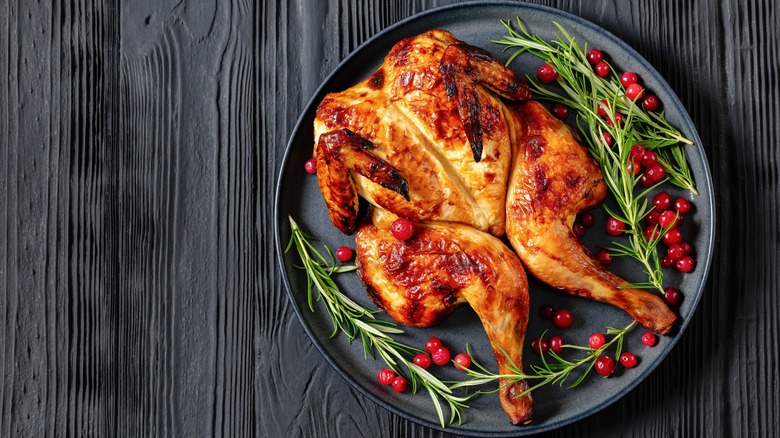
(404, 110)
(422, 280)
(553, 178)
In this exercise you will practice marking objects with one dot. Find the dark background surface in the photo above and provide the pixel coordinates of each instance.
(140, 144)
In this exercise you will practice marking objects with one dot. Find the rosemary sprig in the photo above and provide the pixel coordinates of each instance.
(355, 321)
(585, 92)
(549, 372)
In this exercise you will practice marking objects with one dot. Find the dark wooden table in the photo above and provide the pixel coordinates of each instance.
(140, 143)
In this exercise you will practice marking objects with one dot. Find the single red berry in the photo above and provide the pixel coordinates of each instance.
(546, 311)
(649, 158)
(385, 376)
(672, 296)
(539, 345)
(606, 138)
(441, 356)
(628, 78)
(648, 338)
(595, 56)
(563, 319)
(662, 201)
(669, 219)
(618, 120)
(685, 264)
(310, 166)
(560, 111)
(597, 340)
(603, 108)
(687, 247)
(605, 365)
(650, 102)
(675, 252)
(615, 227)
(667, 262)
(604, 257)
(602, 68)
(556, 343)
(628, 359)
(432, 344)
(673, 237)
(344, 253)
(652, 232)
(656, 173)
(546, 73)
(637, 152)
(422, 360)
(587, 219)
(652, 217)
(402, 229)
(682, 205)
(399, 384)
(462, 361)
(578, 228)
(633, 167)
(645, 181)
(634, 91)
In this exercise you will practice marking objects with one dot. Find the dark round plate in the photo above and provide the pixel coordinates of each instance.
(298, 195)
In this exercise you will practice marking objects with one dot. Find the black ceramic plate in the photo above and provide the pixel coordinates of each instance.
(298, 195)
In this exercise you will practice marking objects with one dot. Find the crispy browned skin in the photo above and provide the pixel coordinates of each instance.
(404, 110)
(422, 280)
(553, 178)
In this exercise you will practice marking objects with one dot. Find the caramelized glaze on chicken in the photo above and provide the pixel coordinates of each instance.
(553, 179)
(422, 280)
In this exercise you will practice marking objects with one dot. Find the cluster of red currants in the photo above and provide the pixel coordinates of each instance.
(438, 354)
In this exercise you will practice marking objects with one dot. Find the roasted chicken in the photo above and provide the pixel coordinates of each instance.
(435, 136)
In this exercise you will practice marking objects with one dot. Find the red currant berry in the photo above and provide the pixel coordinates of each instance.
(462, 361)
(673, 237)
(633, 167)
(655, 173)
(546, 73)
(634, 91)
(604, 257)
(344, 253)
(399, 384)
(402, 229)
(672, 296)
(422, 360)
(441, 356)
(615, 227)
(603, 108)
(587, 219)
(606, 138)
(667, 262)
(675, 252)
(628, 78)
(596, 340)
(563, 319)
(579, 229)
(669, 219)
(687, 247)
(605, 365)
(546, 311)
(556, 343)
(662, 201)
(385, 376)
(648, 338)
(652, 232)
(539, 345)
(650, 102)
(595, 56)
(645, 181)
(560, 111)
(602, 68)
(652, 217)
(628, 359)
(685, 264)
(310, 166)
(432, 344)
(649, 158)
(682, 205)
(618, 120)
(637, 152)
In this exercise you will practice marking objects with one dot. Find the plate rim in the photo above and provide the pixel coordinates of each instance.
(706, 186)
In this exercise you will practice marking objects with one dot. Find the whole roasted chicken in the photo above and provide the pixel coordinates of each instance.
(445, 136)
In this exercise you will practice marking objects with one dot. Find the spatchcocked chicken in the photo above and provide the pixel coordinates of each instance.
(445, 136)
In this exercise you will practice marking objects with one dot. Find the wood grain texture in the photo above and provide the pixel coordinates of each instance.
(140, 144)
